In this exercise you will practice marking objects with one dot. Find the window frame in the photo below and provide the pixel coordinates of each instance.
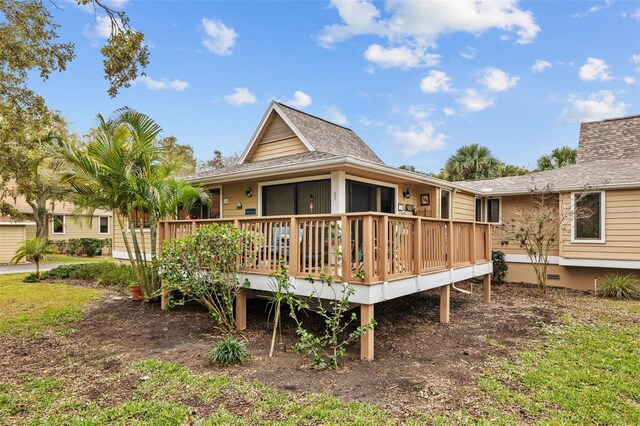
(482, 210)
(53, 224)
(108, 225)
(450, 212)
(486, 210)
(602, 239)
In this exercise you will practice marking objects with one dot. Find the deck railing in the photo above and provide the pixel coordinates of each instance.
(361, 247)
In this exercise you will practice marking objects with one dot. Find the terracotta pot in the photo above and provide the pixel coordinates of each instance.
(136, 292)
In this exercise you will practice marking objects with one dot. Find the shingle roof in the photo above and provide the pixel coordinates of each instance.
(328, 137)
(595, 174)
(609, 139)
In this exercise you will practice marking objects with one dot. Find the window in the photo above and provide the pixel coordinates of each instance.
(57, 224)
(366, 197)
(445, 204)
(478, 209)
(104, 225)
(140, 218)
(493, 210)
(312, 197)
(588, 217)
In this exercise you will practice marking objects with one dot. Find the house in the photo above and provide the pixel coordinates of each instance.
(64, 224)
(606, 176)
(324, 201)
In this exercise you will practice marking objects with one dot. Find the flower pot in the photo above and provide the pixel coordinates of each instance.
(136, 292)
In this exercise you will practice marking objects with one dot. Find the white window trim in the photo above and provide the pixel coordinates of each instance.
(450, 204)
(602, 238)
(108, 225)
(486, 206)
(64, 224)
(482, 209)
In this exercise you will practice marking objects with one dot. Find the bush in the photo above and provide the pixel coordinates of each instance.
(105, 273)
(85, 246)
(500, 267)
(31, 278)
(228, 351)
(618, 286)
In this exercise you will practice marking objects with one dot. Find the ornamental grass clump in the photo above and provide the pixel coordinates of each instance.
(228, 351)
(618, 286)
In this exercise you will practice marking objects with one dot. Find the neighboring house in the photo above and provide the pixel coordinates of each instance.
(607, 177)
(314, 189)
(64, 224)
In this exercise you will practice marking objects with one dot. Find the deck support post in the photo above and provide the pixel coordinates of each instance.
(366, 341)
(445, 296)
(241, 310)
(486, 288)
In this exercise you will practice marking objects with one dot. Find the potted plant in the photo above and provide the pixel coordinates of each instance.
(136, 291)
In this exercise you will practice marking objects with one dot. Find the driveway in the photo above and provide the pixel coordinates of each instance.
(30, 267)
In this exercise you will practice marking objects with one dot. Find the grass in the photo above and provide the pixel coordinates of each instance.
(583, 370)
(27, 309)
(63, 258)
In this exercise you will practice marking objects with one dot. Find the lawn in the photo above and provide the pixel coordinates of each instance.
(581, 368)
(63, 258)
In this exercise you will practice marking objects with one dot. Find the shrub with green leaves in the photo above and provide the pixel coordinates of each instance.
(500, 266)
(204, 266)
(619, 286)
(85, 246)
(103, 273)
(228, 351)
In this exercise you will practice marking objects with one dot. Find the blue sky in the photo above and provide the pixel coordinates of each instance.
(415, 80)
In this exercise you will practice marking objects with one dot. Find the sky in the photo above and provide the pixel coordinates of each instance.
(415, 80)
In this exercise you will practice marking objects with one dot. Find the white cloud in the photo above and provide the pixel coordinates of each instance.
(436, 81)
(101, 28)
(449, 111)
(366, 122)
(468, 53)
(633, 14)
(593, 9)
(421, 137)
(418, 112)
(336, 116)
(472, 100)
(163, 84)
(219, 38)
(497, 80)
(630, 80)
(300, 100)
(117, 4)
(240, 96)
(594, 69)
(540, 65)
(400, 57)
(596, 106)
(636, 60)
(421, 23)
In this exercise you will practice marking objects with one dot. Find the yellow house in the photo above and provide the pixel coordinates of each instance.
(606, 176)
(325, 202)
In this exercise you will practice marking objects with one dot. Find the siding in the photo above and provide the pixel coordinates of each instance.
(277, 140)
(464, 206)
(11, 236)
(234, 192)
(416, 191)
(118, 241)
(622, 229)
(79, 227)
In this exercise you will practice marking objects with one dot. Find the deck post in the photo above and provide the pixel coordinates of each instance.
(366, 341)
(450, 244)
(294, 247)
(445, 296)
(346, 248)
(472, 253)
(486, 288)
(417, 246)
(367, 248)
(488, 243)
(241, 310)
(383, 248)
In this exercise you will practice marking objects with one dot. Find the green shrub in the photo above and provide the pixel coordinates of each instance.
(500, 267)
(31, 278)
(228, 351)
(85, 246)
(618, 286)
(104, 273)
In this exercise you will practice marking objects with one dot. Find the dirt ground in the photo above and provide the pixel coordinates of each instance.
(420, 364)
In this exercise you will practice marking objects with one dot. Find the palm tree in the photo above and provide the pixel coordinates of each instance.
(35, 249)
(559, 157)
(471, 162)
(511, 170)
(123, 168)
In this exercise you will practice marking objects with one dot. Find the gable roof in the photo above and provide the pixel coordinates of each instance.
(316, 134)
(610, 139)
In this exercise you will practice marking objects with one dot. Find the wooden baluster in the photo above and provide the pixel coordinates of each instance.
(346, 248)
(384, 248)
(417, 245)
(367, 248)
(294, 247)
(450, 244)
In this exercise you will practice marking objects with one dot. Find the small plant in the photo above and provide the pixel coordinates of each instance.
(103, 273)
(228, 351)
(35, 249)
(618, 286)
(327, 347)
(280, 293)
(500, 266)
(31, 278)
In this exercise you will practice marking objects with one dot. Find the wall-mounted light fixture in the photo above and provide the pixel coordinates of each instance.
(406, 193)
(311, 203)
(239, 205)
(248, 192)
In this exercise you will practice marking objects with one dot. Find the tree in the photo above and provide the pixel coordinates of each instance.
(35, 249)
(511, 170)
(471, 162)
(181, 154)
(219, 161)
(122, 168)
(559, 157)
(29, 46)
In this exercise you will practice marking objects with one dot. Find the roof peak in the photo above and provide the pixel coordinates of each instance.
(312, 116)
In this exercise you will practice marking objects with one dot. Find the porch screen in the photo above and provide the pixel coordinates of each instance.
(313, 197)
(364, 197)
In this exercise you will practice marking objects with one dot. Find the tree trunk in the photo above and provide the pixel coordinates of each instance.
(40, 215)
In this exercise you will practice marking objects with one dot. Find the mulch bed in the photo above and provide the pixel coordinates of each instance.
(420, 364)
